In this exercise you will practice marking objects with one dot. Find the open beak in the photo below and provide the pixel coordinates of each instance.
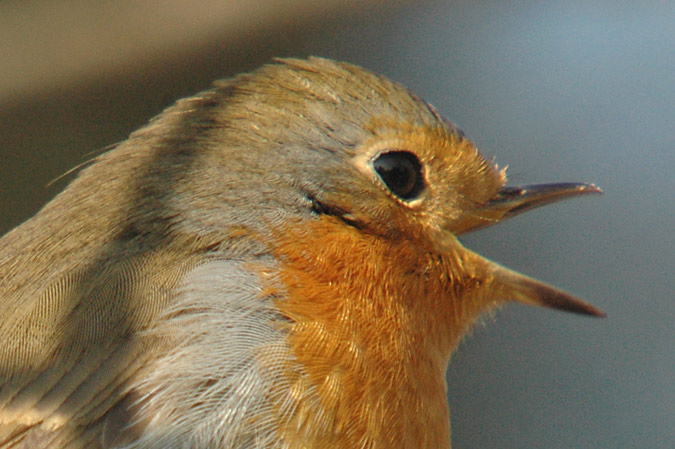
(525, 290)
(511, 201)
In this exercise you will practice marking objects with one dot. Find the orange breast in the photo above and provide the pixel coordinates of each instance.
(372, 326)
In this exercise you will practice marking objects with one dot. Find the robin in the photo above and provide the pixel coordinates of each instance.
(272, 263)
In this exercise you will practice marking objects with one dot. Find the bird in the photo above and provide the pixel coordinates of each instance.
(272, 263)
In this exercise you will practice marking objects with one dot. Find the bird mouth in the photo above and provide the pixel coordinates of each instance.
(511, 201)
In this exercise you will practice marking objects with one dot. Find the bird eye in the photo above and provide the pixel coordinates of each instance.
(401, 172)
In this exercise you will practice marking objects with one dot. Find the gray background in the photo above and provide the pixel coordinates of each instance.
(558, 91)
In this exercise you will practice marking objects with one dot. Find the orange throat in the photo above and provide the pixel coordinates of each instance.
(373, 323)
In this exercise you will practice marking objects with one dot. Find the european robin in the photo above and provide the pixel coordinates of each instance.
(272, 263)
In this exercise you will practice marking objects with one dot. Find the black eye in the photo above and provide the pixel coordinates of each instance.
(401, 171)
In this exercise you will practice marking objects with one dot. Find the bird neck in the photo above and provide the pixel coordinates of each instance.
(372, 325)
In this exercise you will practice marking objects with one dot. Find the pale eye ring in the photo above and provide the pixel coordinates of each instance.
(401, 172)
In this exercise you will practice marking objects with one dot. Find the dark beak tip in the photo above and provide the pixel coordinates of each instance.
(575, 306)
(591, 188)
(597, 313)
(579, 307)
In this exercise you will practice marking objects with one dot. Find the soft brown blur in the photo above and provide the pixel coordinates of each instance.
(77, 76)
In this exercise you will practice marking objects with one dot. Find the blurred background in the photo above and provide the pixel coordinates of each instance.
(559, 91)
